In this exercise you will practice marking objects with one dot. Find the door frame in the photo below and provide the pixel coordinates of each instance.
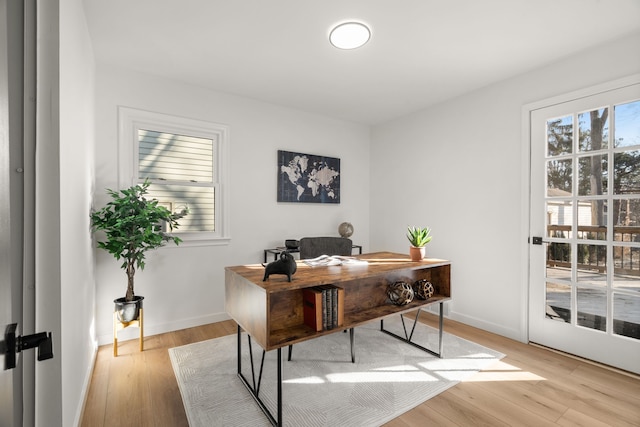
(18, 187)
(525, 202)
(10, 380)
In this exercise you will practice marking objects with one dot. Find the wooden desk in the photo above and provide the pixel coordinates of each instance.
(271, 312)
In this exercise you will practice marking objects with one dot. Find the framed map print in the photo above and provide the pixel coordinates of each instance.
(308, 178)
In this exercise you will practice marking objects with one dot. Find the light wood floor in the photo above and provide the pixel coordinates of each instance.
(531, 386)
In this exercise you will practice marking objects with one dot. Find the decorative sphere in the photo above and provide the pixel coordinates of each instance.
(423, 289)
(345, 229)
(400, 293)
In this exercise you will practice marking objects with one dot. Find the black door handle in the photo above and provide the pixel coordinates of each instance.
(41, 340)
(13, 345)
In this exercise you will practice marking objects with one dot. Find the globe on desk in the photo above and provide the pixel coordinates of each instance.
(345, 229)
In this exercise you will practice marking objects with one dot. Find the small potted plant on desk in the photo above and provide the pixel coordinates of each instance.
(418, 237)
(133, 225)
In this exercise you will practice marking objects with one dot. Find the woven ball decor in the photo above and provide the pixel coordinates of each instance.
(423, 289)
(400, 293)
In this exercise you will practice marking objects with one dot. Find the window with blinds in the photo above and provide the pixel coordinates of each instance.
(181, 169)
(186, 161)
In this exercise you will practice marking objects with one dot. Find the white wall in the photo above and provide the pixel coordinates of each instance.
(77, 309)
(184, 286)
(48, 393)
(457, 167)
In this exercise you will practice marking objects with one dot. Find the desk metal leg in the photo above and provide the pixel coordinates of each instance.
(279, 386)
(239, 350)
(254, 389)
(440, 327)
(407, 337)
(353, 350)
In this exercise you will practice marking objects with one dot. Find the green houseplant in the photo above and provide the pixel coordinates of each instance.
(133, 225)
(418, 237)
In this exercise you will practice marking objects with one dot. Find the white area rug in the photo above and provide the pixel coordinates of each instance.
(321, 387)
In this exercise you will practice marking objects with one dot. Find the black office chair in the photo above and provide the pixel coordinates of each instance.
(313, 247)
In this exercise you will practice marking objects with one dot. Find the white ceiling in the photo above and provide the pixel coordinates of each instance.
(421, 51)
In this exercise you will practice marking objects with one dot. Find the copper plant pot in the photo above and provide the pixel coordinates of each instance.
(416, 254)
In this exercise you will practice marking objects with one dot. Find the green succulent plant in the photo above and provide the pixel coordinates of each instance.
(133, 225)
(418, 236)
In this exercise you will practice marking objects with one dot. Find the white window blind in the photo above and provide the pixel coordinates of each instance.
(175, 157)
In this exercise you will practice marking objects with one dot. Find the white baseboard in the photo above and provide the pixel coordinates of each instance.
(149, 330)
(132, 333)
(435, 309)
(514, 334)
(84, 394)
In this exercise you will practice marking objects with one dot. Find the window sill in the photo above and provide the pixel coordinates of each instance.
(190, 240)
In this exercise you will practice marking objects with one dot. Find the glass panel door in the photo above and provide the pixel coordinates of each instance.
(585, 204)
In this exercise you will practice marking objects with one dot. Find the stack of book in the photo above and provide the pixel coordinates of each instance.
(323, 307)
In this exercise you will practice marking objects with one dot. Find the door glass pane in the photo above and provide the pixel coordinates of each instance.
(591, 219)
(626, 172)
(559, 180)
(592, 264)
(593, 127)
(559, 218)
(592, 175)
(558, 302)
(592, 308)
(560, 136)
(626, 220)
(626, 274)
(626, 315)
(627, 124)
(559, 261)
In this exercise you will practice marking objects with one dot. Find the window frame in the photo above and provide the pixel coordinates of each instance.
(130, 120)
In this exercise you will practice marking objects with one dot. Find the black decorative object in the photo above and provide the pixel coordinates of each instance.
(423, 289)
(308, 178)
(292, 244)
(285, 265)
(400, 293)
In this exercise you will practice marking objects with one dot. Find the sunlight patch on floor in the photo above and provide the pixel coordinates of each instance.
(501, 371)
(305, 380)
(396, 375)
(381, 377)
(428, 371)
(399, 368)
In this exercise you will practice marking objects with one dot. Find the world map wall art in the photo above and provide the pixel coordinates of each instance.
(308, 178)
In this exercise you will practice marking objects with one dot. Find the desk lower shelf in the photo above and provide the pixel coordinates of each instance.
(301, 332)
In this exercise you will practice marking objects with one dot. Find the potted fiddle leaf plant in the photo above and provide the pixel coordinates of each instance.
(133, 225)
(418, 237)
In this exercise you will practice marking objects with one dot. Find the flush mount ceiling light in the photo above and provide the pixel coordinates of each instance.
(349, 35)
